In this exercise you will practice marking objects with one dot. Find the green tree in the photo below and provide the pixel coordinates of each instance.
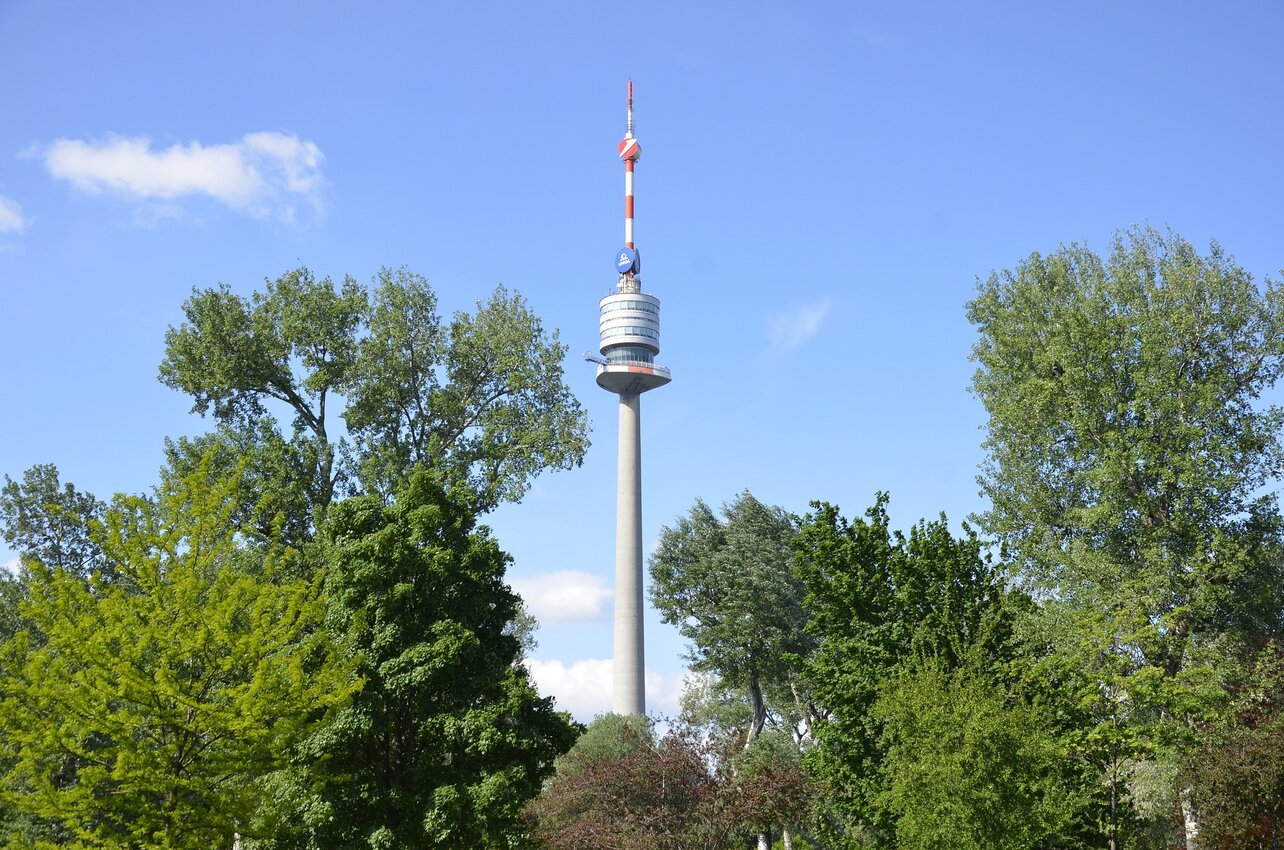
(277, 476)
(448, 739)
(728, 585)
(146, 712)
(481, 397)
(50, 522)
(968, 767)
(294, 344)
(876, 600)
(1127, 450)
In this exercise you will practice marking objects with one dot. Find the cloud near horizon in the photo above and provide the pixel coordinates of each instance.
(796, 325)
(584, 687)
(564, 596)
(11, 218)
(264, 174)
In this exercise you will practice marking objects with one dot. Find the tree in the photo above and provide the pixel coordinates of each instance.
(235, 356)
(146, 712)
(622, 787)
(1239, 763)
(877, 600)
(278, 483)
(481, 397)
(1127, 450)
(50, 522)
(967, 766)
(728, 585)
(449, 738)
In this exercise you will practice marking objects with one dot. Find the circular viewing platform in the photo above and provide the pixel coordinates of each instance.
(631, 377)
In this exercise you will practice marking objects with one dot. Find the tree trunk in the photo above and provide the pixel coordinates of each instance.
(755, 729)
(1190, 819)
(787, 838)
(759, 712)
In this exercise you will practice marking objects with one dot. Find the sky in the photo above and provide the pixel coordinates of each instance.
(821, 186)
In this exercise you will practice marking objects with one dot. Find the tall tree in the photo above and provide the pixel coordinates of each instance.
(448, 738)
(146, 712)
(481, 396)
(728, 585)
(1127, 449)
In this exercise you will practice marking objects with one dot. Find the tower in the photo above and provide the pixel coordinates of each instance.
(629, 332)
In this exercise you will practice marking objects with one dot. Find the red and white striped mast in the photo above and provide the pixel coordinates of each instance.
(630, 150)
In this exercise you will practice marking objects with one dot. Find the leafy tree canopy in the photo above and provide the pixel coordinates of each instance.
(449, 738)
(728, 584)
(50, 522)
(967, 767)
(480, 396)
(1126, 447)
(145, 712)
(877, 600)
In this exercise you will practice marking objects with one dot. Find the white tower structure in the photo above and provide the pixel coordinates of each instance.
(629, 329)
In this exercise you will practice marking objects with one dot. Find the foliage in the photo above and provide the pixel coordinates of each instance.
(1239, 766)
(144, 713)
(234, 356)
(1126, 453)
(623, 788)
(277, 477)
(449, 738)
(967, 767)
(876, 601)
(481, 397)
(728, 585)
(51, 522)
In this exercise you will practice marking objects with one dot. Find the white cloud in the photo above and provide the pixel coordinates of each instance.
(11, 217)
(11, 567)
(266, 174)
(796, 325)
(564, 595)
(584, 687)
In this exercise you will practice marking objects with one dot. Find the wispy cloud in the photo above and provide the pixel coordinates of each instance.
(584, 687)
(796, 325)
(265, 174)
(11, 567)
(11, 218)
(563, 596)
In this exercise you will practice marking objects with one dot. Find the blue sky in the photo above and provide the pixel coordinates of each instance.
(820, 187)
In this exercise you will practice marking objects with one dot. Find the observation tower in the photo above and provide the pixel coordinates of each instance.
(629, 333)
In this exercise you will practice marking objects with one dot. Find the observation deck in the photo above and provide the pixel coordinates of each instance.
(629, 335)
